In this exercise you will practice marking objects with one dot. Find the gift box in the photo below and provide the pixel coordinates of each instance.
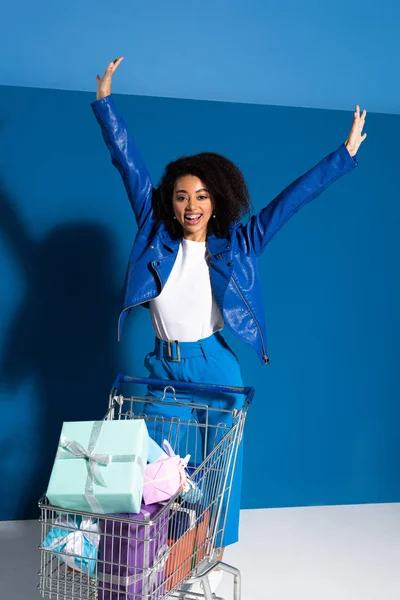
(99, 466)
(181, 540)
(155, 451)
(164, 478)
(200, 548)
(190, 491)
(132, 556)
(75, 540)
(187, 539)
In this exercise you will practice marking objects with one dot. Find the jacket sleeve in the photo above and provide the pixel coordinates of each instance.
(126, 157)
(264, 225)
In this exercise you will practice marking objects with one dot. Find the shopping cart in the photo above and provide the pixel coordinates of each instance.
(152, 556)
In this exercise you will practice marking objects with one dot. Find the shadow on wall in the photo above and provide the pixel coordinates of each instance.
(62, 336)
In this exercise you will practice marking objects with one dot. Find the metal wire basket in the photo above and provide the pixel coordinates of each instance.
(152, 555)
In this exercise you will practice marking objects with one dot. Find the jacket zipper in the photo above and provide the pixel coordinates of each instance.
(137, 304)
(265, 356)
(159, 278)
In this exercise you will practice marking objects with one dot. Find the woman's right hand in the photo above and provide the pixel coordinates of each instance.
(104, 83)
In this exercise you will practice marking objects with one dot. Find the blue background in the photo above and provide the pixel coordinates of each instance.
(323, 427)
(310, 53)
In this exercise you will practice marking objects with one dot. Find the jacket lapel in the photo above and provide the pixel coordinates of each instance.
(215, 245)
(167, 241)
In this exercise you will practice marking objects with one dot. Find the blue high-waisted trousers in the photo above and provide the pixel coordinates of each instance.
(209, 360)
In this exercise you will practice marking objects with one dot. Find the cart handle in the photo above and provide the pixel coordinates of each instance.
(247, 391)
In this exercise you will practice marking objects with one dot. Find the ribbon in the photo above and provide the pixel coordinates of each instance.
(74, 450)
(168, 448)
(187, 483)
(93, 460)
(68, 539)
(88, 529)
(181, 468)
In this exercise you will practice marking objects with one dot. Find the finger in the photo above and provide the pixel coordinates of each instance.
(109, 71)
(363, 137)
(357, 110)
(117, 62)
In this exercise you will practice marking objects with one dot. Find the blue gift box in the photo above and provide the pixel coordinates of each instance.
(75, 540)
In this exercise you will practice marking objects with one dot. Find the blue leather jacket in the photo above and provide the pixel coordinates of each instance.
(233, 260)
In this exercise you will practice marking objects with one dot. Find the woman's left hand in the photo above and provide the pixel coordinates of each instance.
(356, 137)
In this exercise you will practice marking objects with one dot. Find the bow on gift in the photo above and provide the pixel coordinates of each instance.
(164, 478)
(158, 568)
(71, 449)
(188, 485)
(185, 482)
(93, 460)
(76, 541)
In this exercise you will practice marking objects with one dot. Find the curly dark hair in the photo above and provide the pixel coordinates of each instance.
(224, 181)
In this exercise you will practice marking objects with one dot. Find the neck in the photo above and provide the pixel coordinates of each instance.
(201, 236)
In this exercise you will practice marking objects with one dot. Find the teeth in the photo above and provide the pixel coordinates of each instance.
(192, 217)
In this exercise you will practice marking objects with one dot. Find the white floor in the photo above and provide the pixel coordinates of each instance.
(319, 553)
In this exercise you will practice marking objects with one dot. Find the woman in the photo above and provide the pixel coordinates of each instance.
(194, 264)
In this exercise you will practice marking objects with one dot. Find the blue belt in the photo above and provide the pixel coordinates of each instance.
(174, 351)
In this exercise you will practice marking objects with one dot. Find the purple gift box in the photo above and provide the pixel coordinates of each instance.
(132, 556)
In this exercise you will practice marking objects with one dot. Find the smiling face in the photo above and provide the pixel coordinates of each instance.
(192, 206)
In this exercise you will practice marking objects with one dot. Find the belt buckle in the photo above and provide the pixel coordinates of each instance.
(178, 351)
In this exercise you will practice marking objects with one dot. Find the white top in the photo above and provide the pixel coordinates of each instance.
(186, 310)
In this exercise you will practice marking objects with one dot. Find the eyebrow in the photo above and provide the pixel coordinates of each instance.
(186, 192)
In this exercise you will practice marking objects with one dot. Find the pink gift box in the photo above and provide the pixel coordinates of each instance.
(164, 478)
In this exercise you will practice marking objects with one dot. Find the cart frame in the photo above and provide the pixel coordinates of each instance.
(214, 446)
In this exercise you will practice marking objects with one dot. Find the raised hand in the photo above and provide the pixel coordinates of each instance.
(104, 83)
(356, 136)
